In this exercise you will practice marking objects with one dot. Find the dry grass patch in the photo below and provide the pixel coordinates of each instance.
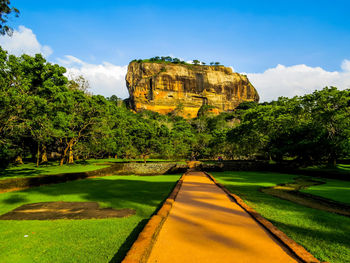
(64, 210)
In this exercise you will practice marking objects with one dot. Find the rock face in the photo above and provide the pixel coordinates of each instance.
(164, 87)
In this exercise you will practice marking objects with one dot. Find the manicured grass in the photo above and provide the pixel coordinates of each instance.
(343, 169)
(90, 240)
(324, 234)
(332, 189)
(30, 169)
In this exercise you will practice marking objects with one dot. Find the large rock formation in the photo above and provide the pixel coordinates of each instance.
(162, 87)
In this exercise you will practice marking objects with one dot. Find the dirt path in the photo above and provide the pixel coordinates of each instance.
(204, 225)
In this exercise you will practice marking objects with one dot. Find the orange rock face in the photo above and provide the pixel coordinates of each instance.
(163, 87)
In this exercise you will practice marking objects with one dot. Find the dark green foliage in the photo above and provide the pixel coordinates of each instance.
(247, 105)
(166, 59)
(310, 129)
(204, 110)
(171, 60)
(196, 62)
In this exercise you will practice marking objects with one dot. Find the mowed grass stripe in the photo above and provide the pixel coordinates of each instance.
(81, 240)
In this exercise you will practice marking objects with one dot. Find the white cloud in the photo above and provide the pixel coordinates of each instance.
(297, 80)
(24, 41)
(346, 65)
(105, 79)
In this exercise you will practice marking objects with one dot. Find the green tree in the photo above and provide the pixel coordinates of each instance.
(144, 137)
(5, 11)
(196, 62)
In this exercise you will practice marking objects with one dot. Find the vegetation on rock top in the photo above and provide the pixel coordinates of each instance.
(169, 60)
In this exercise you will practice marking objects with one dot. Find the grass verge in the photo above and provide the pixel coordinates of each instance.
(323, 234)
(332, 189)
(92, 240)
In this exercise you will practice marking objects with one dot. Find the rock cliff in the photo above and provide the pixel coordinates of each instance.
(164, 87)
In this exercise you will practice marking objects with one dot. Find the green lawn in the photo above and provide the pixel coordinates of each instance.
(325, 235)
(91, 240)
(332, 189)
(342, 169)
(30, 169)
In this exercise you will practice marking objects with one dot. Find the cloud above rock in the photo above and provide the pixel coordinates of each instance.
(104, 79)
(295, 80)
(24, 41)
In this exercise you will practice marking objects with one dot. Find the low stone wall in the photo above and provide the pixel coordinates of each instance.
(234, 166)
(7, 185)
(150, 168)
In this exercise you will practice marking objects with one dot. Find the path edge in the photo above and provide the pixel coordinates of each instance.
(141, 248)
(299, 251)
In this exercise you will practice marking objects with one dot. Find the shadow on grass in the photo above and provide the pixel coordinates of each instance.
(112, 192)
(123, 250)
(13, 199)
(30, 169)
(325, 244)
(8, 173)
(144, 194)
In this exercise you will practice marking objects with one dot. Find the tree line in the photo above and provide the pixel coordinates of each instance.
(309, 129)
(44, 116)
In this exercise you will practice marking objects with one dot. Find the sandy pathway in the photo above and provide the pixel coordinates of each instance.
(204, 225)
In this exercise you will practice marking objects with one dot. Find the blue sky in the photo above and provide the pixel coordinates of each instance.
(251, 36)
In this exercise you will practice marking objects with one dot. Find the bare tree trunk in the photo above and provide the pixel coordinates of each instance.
(19, 160)
(38, 156)
(44, 155)
(332, 162)
(70, 159)
(64, 155)
(62, 161)
(70, 156)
